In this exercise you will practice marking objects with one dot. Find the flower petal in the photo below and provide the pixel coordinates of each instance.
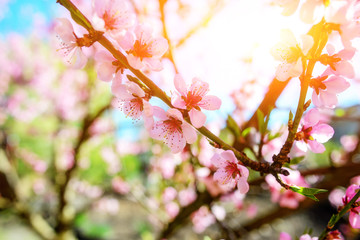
(322, 132)
(316, 147)
(189, 133)
(210, 102)
(180, 85)
(197, 118)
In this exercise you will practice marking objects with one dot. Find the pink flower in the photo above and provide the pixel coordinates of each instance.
(186, 196)
(312, 133)
(202, 219)
(70, 45)
(290, 52)
(133, 101)
(142, 49)
(172, 129)
(286, 236)
(108, 67)
(286, 198)
(112, 16)
(193, 98)
(339, 62)
(354, 216)
(230, 171)
(326, 90)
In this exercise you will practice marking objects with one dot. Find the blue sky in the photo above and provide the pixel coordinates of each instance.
(18, 15)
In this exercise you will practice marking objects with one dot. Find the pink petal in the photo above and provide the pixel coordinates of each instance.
(229, 155)
(143, 33)
(322, 132)
(301, 145)
(120, 91)
(336, 84)
(307, 11)
(197, 118)
(316, 147)
(133, 88)
(104, 56)
(177, 101)
(284, 236)
(312, 117)
(159, 113)
(243, 185)
(328, 99)
(218, 161)
(135, 62)
(315, 99)
(221, 176)
(198, 87)
(180, 85)
(105, 71)
(172, 112)
(157, 132)
(244, 172)
(210, 102)
(158, 47)
(354, 220)
(189, 133)
(127, 41)
(345, 68)
(307, 42)
(78, 59)
(99, 7)
(175, 141)
(153, 63)
(148, 109)
(64, 29)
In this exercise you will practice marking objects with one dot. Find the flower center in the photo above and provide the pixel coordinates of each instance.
(140, 50)
(173, 124)
(304, 134)
(191, 100)
(109, 20)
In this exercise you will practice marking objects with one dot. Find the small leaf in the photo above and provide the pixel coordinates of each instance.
(308, 192)
(233, 126)
(291, 116)
(246, 131)
(261, 120)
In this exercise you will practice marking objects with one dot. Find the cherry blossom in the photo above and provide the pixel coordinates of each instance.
(142, 49)
(172, 129)
(312, 133)
(326, 90)
(354, 216)
(290, 52)
(312, 11)
(107, 67)
(193, 98)
(286, 198)
(230, 172)
(112, 16)
(339, 63)
(133, 101)
(70, 44)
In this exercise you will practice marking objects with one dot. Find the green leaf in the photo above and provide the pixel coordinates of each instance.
(233, 126)
(246, 131)
(261, 120)
(291, 116)
(308, 192)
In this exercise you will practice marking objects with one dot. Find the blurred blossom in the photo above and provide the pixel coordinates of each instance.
(172, 209)
(286, 198)
(202, 219)
(113, 160)
(349, 142)
(169, 194)
(120, 186)
(219, 212)
(335, 197)
(186, 196)
(107, 205)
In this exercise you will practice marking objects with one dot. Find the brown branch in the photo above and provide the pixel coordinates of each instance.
(64, 178)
